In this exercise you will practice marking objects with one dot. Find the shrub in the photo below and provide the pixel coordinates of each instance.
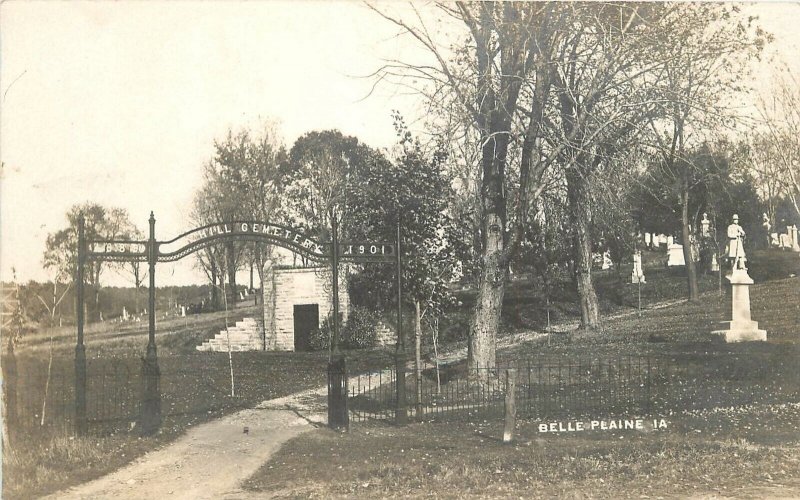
(360, 332)
(357, 333)
(320, 339)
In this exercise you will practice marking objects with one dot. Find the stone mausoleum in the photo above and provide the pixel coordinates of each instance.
(296, 302)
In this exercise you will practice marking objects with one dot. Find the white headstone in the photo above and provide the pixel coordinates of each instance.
(607, 263)
(795, 244)
(670, 241)
(714, 262)
(785, 241)
(241, 296)
(637, 276)
(183, 311)
(774, 240)
(675, 255)
(648, 239)
(124, 314)
(705, 226)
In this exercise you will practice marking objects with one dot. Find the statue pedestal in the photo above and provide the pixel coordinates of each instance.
(741, 327)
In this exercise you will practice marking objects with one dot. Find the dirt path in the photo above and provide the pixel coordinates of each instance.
(211, 460)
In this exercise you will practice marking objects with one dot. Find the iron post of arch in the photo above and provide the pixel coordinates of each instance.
(81, 423)
(150, 413)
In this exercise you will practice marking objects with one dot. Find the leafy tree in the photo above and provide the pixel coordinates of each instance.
(101, 223)
(415, 188)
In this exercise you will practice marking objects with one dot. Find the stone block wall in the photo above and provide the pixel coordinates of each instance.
(292, 287)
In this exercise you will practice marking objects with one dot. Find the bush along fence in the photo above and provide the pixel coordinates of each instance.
(590, 387)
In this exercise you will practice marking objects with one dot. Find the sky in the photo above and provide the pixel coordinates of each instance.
(119, 103)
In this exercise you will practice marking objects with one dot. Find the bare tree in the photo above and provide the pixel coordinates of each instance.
(703, 63)
(781, 118)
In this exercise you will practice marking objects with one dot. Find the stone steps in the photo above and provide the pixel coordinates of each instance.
(245, 335)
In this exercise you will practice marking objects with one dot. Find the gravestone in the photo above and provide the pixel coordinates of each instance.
(795, 243)
(767, 226)
(670, 241)
(736, 237)
(648, 240)
(124, 314)
(705, 226)
(741, 327)
(675, 255)
(637, 276)
(785, 242)
(714, 262)
(774, 240)
(183, 311)
(607, 263)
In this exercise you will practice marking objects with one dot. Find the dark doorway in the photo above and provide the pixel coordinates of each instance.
(306, 320)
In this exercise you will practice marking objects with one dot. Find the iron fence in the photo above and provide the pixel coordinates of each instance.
(41, 396)
(597, 386)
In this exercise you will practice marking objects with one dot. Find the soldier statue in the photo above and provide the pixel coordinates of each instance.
(736, 244)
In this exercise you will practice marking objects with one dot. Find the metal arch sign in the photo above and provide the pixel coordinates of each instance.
(278, 234)
(196, 239)
(118, 251)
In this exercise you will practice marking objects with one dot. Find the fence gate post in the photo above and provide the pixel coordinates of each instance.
(510, 404)
(338, 416)
(150, 412)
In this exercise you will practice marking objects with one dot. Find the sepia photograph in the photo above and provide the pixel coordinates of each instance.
(399, 249)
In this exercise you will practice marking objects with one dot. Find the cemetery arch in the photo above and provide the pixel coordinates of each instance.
(153, 251)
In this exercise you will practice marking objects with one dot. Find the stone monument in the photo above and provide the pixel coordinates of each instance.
(705, 226)
(637, 276)
(795, 245)
(607, 263)
(736, 237)
(767, 227)
(675, 254)
(741, 327)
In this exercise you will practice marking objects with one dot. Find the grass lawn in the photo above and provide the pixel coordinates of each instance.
(710, 454)
(747, 451)
(195, 390)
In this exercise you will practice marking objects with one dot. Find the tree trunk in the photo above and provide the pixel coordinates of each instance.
(214, 291)
(489, 305)
(691, 271)
(580, 216)
(418, 354)
(229, 253)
